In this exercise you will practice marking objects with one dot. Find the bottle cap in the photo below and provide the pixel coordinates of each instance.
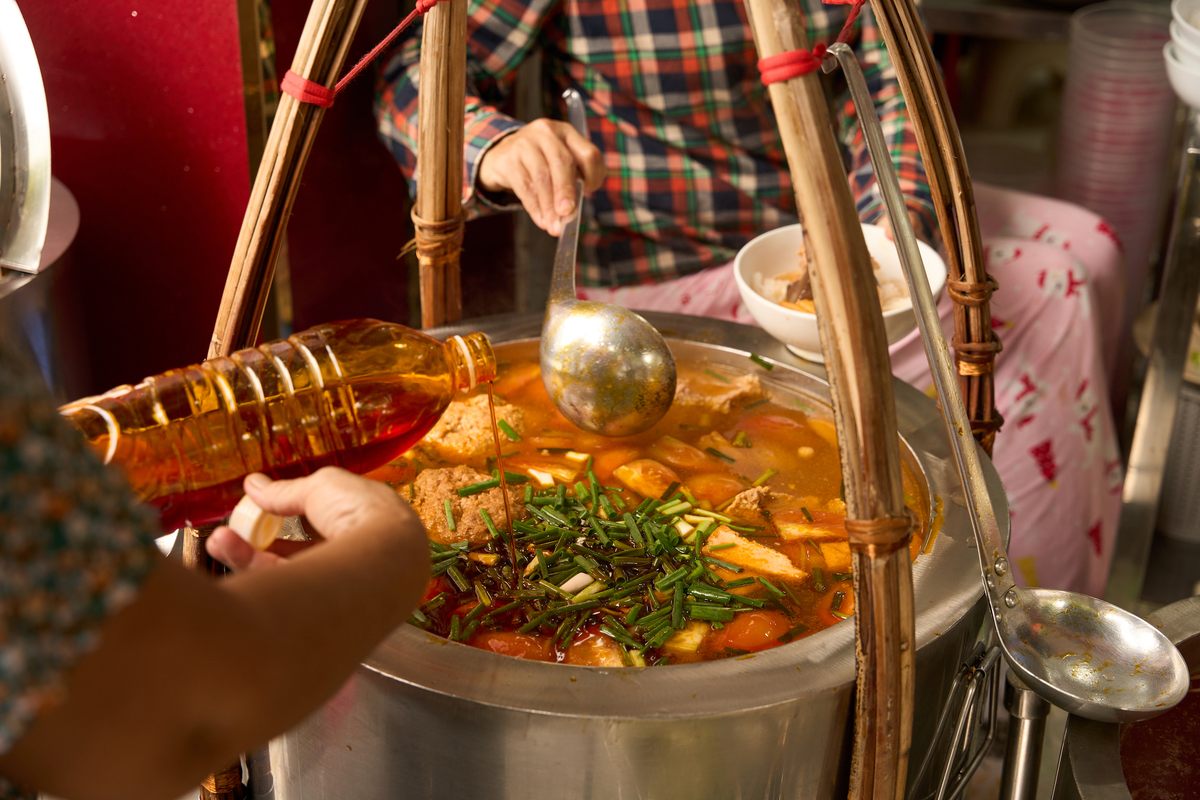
(256, 526)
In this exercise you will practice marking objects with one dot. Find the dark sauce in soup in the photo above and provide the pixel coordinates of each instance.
(717, 533)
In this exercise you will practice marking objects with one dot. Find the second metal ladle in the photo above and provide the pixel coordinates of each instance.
(1084, 655)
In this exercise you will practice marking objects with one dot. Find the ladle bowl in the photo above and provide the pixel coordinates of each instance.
(1091, 658)
(605, 368)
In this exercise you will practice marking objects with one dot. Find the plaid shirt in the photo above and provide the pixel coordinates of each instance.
(675, 103)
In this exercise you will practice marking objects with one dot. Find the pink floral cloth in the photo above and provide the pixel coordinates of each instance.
(1059, 270)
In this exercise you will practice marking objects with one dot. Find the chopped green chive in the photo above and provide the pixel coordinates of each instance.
(740, 439)
(712, 451)
(491, 526)
(508, 431)
(476, 488)
(807, 514)
(449, 509)
(818, 579)
(762, 362)
(717, 375)
(766, 476)
(772, 588)
(725, 546)
(458, 579)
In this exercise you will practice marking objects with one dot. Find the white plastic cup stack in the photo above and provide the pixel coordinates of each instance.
(1116, 128)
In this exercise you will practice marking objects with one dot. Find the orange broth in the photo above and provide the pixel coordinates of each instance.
(776, 440)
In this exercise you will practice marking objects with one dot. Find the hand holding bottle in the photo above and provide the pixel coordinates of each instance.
(336, 504)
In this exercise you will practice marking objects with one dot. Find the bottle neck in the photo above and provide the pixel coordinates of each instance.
(472, 361)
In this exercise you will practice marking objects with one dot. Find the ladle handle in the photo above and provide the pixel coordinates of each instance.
(992, 557)
(562, 286)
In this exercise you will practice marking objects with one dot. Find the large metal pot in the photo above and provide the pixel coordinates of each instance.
(427, 718)
(1090, 764)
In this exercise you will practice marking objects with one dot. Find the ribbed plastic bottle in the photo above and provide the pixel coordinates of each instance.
(353, 394)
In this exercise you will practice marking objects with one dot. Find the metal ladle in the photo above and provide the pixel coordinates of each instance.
(607, 369)
(1084, 655)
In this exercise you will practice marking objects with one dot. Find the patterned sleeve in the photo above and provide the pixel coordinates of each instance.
(897, 131)
(500, 35)
(75, 545)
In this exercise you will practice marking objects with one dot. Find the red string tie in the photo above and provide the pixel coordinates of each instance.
(796, 63)
(317, 94)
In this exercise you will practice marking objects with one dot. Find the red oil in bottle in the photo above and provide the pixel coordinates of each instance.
(351, 394)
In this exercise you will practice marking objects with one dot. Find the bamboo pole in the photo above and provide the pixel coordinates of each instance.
(319, 57)
(975, 345)
(437, 215)
(856, 358)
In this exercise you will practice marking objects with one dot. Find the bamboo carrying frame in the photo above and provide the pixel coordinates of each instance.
(851, 324)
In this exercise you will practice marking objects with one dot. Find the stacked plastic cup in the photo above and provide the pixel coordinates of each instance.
(1117, 127)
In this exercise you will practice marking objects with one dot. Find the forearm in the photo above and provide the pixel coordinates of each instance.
(194, 671)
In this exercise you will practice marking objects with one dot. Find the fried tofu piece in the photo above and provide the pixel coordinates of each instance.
(794, 526)
(754, 557)
(718, 397)
(837, 556)
(686, 642)
(596, 650)
(464, 433)
(646, 476)
(434, 487)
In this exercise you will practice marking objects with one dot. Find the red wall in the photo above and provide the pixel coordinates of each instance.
(148, 129)
(148, 132)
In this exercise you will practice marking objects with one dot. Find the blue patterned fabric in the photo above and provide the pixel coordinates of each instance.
(75, 545)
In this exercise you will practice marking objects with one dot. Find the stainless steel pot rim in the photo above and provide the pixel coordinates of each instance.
(946, 581)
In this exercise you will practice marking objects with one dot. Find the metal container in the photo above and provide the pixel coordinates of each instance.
(1090, 764)
(428, 718)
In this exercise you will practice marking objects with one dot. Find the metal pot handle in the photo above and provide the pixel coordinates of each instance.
(969, 739)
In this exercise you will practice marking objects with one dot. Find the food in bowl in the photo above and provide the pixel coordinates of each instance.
(791, 289)
(717, 533)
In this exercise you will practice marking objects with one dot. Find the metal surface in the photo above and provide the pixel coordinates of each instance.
(441, 719)
(24, 147)
(1084, 655)
(1090, 763)
(1027, 712)
(606, 368)
(1160, 392)
(974, 727)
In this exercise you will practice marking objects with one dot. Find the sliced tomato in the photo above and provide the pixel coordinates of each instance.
(465, 608)
(825, 610)
(517, 645)
(753, 631)
(436, 586)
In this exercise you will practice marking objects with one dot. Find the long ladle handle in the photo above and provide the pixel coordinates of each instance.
(992, 557)
(562, 286)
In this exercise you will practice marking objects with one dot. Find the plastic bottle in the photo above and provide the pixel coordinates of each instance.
(353, 394)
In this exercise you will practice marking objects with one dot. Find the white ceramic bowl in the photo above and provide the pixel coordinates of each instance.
(1186, 14)
(1187, 50)
(777, 252)
(1185, 78)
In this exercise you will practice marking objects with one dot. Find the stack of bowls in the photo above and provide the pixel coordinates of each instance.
(1182, 53)
(1116, 129)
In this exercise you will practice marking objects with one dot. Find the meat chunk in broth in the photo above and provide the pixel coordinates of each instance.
(434, 487)
(756, 558)
(719, 396)
(464, 433)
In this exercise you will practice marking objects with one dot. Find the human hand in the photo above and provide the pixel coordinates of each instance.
(914, 218)
(540, 163)
(335, 502)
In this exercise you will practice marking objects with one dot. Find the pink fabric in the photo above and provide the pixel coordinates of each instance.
(1059, 271)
